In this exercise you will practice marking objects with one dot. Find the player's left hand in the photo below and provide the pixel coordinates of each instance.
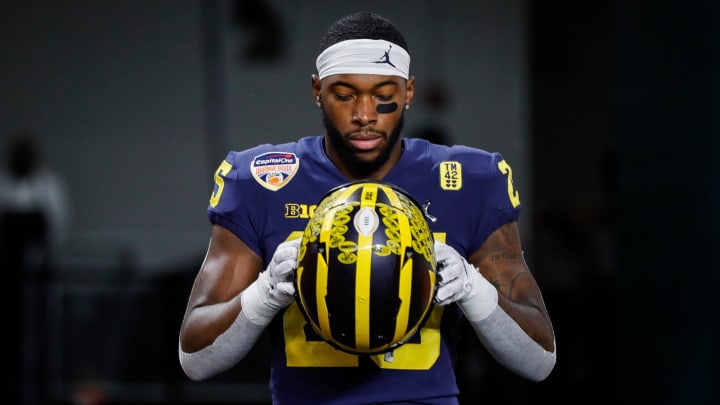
(462, 282)
(453, 272)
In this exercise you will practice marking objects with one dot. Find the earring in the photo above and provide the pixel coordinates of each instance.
(317, 101)
(407, 107)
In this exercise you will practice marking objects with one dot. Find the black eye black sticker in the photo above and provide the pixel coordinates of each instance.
(387, 108)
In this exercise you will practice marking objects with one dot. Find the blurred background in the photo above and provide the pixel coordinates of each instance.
(115, 114)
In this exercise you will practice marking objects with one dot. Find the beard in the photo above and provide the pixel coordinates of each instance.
(354, 164)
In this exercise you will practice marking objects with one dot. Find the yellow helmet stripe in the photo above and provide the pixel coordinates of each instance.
(330, 215)
(362, 274)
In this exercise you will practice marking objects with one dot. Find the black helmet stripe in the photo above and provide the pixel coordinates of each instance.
(307, 283)
(338, 234)
(405, 266)
(320, 294)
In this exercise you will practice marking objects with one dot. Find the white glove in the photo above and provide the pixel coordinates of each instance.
(273, 290)
(462, 282)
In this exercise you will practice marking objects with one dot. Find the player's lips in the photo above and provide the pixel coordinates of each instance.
(365, 140)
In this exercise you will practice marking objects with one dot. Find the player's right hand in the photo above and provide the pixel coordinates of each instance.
(273, 289)
(278, 277)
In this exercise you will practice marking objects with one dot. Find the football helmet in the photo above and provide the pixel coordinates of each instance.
(366, 274)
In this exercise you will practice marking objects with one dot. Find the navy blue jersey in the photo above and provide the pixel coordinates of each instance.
(266, 195)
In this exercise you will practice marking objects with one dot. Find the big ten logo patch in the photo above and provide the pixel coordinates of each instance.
(302, 211)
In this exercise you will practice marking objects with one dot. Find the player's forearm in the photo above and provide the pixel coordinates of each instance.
(226, 350)
(512, 347)
(257, 308)
(204, 323)
(532, 320)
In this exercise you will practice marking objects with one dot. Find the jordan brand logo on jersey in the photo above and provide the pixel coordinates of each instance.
(386, 58)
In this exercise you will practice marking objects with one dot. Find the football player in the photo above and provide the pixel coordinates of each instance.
(264, 196)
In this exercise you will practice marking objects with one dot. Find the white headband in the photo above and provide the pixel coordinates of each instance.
(364, 56)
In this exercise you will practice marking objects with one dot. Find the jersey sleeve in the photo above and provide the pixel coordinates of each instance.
(490, 188)
(233, 200)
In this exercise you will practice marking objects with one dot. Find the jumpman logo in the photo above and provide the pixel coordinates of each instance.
(386, 58)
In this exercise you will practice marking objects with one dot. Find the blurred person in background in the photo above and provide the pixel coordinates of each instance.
(30, 187)
(33, 224)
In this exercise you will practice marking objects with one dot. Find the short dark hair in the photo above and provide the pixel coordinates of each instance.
(362, 25)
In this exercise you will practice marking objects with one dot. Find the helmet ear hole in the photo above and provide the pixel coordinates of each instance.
(366, 274)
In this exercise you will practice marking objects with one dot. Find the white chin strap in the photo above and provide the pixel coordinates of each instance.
(364, 56)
